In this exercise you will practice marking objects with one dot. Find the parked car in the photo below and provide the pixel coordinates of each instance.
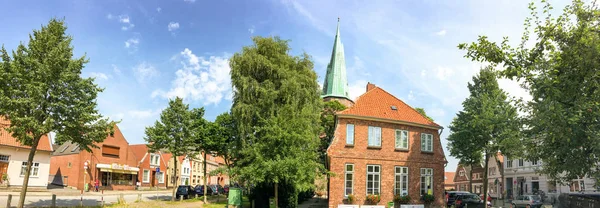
(451, 196)
(199, 189)
(217, 189)
(185, 191)
(226, 188)
(531, 201)
(469, 200)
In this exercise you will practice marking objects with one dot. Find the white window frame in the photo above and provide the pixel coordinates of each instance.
(401, 173)
(521, 163)
(461, 173)
(509, 163)
(35, 169)
(535, 162)
(426, 142)
(375, 134)
(161, 177)
(375, 190)
(426, 175)
(351, 173)
(154, 159)
(401, 139)
(4, 158)
(350, 134)
(146, 176)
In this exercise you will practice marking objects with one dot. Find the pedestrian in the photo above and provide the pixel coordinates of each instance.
(96, 184)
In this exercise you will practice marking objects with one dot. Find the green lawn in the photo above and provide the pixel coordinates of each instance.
(221, 201)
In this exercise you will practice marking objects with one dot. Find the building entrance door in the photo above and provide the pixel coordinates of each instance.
(3, 170)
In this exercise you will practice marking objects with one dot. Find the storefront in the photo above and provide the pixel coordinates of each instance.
(117, 177)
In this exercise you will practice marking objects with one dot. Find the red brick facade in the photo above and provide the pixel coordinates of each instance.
(386, 156)
(144, 157)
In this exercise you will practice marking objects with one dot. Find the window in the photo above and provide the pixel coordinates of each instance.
(520, 162)
(110, 151)
(552, 187)
(374, 136)
(350, 134)
(373, 179)
(75, 148)
(401, 139)
(426, 142)
(534, 162)
(34, 169)
(161, 177)
(401, 181)
(509, 163)
(69, 165)
(426, 181)
(349, 178)
(461, 173)
(64, 148)
(154, 159)
(4, 158)
(492, 171)
(577, 185)
(146, 176)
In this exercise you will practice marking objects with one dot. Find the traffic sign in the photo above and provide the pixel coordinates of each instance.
(158, 169)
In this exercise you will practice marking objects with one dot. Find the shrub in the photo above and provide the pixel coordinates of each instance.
(351, 199)
(373, 199)
(427, 199)
(401, 199)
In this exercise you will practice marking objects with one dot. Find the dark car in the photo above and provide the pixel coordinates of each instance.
(452, 195)
(185, 191)
(199, 189)
(217, 189)
(469, 200)
(226, 188)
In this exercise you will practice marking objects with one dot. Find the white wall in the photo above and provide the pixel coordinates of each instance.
(17, 157)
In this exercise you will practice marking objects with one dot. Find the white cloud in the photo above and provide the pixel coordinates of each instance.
(116, 70)
(144, 72)
(144, 114)
(127, 27)
(411, 95)
(251, 30)
(124, 19)
(99, 75)
(190, 1)
(173, 26)
(132, 42)
(442, 73)
(109, 16)
(203, 79)
(158, 9)
(514, 89)
(441, 33)
(357, 88)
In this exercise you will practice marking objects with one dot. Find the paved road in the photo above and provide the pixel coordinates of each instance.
(88, 200)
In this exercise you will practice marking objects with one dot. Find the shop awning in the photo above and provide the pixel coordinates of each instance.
(116, 168)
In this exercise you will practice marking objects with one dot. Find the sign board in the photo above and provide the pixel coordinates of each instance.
(158, 169)
(235, 197)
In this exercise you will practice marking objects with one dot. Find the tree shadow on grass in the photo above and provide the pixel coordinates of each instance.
(65, 203)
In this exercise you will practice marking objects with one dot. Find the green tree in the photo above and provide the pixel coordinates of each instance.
(328, 125)
(276, 104)
(42, 91)
(224, 131)
(460, 144)
(174, 133)
(422, 112)
(203, 141)
(561, 73)
(488, 123)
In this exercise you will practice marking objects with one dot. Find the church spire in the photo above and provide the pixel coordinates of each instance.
(336, 83)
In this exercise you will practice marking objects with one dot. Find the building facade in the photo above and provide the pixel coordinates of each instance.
(495, 180)
(148, 176)
(13, 159)
(464, 173)
(112, 163)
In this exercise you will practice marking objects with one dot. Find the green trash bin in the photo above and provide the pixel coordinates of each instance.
(235, 197)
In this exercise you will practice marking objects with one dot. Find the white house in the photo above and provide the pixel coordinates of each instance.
(13, 159)
(186, 170)
(495, 180)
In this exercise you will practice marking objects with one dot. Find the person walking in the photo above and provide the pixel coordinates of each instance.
(96, 183)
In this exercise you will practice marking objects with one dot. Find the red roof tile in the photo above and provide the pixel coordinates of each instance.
(378, 103)
(449, 178)
(139, 150)
(7, 139)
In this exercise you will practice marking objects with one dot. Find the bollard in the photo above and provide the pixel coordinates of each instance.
(8, 201)
(139, 197)
(181, 198)
(53, 200)
(121, 198)
(81, 199)
(102, 197)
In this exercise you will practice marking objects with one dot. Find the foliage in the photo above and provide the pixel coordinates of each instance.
(372, 199)
(224, 142)
(428, 198)
(42, 91)
(175, 132)
(422, 112)
(305, 195)
(351, 199)
(561, 74)
(276, 104)
(328, 125)
(402, 199)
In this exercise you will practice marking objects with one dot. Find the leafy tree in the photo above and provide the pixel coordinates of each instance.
(328, 125)
(203, 141)
(462, 144)
(174, 132)
(276, 104)
(42, 91)
(560, 71)
(422, 112)
(224, 131)
(488, 123)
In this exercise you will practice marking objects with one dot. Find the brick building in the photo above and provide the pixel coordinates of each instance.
(464, 173)
(112, 163)
(148, 162)
(381, 145)
(449, 181)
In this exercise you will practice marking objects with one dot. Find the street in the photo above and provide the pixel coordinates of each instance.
(88, 200)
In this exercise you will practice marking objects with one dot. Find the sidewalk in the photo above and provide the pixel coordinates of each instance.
(74, 192)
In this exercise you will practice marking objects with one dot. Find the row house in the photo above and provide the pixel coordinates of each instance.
(466, 174)
(152, 167)
(112, 163)
(13, 159)
(495, 180)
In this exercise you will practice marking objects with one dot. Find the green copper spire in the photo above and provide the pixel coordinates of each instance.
(336, 83)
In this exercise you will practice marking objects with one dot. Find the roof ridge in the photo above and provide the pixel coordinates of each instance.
(356, 101)
(376, 87)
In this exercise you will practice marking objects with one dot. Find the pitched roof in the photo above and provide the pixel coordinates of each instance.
(449, 177)
(7, 139)
(139, 151)
(67, 148)
(379, 103)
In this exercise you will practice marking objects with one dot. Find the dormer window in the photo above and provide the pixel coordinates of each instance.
(394, 107)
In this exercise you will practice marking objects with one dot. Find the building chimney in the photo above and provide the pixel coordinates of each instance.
(370, 86)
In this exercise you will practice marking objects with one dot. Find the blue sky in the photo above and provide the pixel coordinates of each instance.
(146, 51)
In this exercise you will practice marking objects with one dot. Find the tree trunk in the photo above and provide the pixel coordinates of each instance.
(36, 140)
(175, 176)
(501, 170)
(227, 162)
(485, 178)
(205, 190)
(470, 174)
(276, 205)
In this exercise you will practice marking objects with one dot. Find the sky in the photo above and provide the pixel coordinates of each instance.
(144, 52)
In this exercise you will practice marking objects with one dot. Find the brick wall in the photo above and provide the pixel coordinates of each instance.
(386, 156)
